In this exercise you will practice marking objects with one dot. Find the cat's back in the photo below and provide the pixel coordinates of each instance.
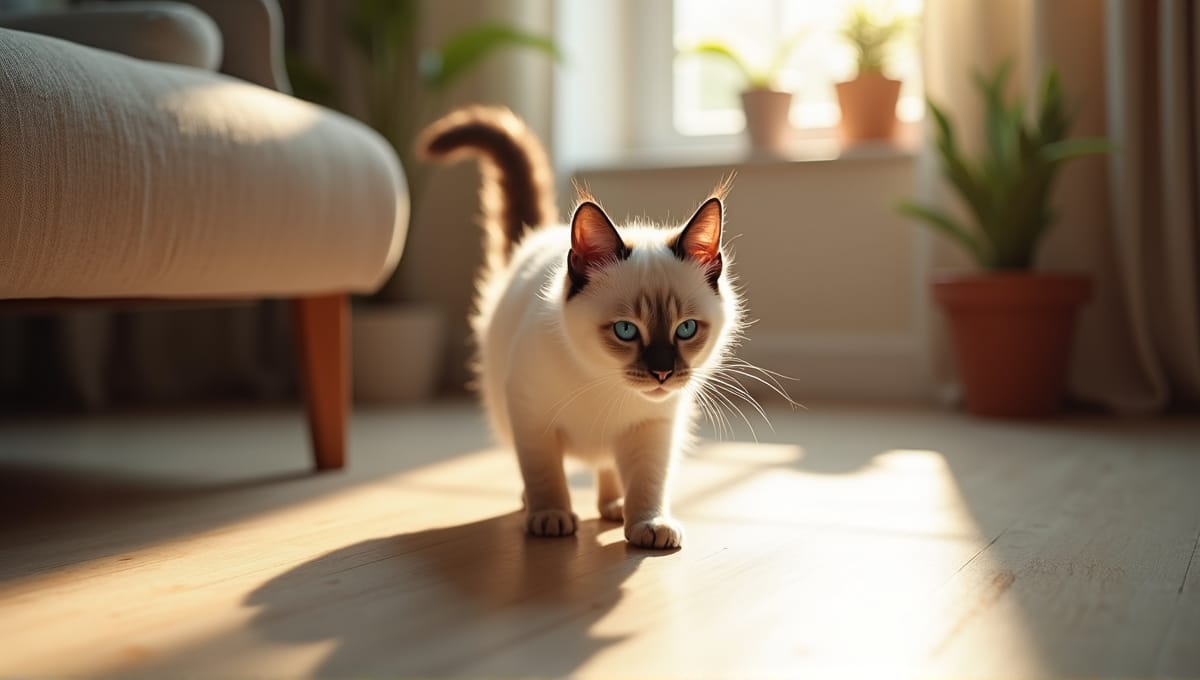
(508, 294)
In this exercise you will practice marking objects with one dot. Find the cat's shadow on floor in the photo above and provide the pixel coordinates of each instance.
(458, 600)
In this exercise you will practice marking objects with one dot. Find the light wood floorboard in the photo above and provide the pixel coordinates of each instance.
(852, 541)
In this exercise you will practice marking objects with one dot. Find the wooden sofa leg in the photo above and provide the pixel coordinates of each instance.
(322, 334)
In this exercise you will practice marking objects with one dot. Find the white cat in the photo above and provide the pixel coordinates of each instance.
(594, 341)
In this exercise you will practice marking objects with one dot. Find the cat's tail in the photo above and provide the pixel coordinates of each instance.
(518, 187)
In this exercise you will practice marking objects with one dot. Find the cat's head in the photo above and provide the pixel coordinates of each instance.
(653, 306)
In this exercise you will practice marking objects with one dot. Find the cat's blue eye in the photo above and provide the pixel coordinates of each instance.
(686, 330)
(625, 330)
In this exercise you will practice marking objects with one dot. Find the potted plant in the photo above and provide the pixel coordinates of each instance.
(765, 105)
(868, 101)
(398, 341)
(1011, 327)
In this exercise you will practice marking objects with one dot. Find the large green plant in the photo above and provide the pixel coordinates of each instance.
(404, 85)
(399, 75)
(872, 37)
(1007, 188)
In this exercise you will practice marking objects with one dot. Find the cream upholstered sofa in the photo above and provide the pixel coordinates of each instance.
(127, 178)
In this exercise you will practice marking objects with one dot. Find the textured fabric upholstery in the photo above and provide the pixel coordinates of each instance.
(126, 178)
(158, 31)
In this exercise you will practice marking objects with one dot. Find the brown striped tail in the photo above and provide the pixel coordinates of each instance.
(518, 187)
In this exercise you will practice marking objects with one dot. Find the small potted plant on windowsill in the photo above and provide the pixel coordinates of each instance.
(1011, 327)
(765, 105)
(868, 101)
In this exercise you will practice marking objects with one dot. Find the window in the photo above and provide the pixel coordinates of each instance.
(623, 95)
(705, 89)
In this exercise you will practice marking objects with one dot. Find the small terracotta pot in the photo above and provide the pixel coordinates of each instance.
(868, 106)
(767, 118)
(1012, 337)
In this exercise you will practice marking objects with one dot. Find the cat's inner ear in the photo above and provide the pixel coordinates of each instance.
(700, 240)
(594, 242)
(593, 236)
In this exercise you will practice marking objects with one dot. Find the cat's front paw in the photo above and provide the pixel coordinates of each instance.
(552, 522)
(661, 533)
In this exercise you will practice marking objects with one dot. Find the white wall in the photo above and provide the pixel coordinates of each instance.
(834, 277)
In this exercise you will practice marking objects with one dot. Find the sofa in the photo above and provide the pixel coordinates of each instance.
(150, 154)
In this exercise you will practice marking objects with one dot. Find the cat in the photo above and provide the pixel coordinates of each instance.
(594, 341)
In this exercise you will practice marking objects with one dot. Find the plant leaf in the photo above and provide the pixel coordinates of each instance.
(382, 25)
(1074, 148)
(970, 184)
(948, 226)
(716, 48)
(782, 55)
(465, 49)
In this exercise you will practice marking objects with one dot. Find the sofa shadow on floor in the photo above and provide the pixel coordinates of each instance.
(63, 502)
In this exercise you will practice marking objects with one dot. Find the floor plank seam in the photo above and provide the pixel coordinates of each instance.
(1159, 657)
(1188, 569)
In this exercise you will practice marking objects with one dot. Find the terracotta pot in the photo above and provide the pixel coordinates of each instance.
(868, 106)
(1012, 336)
(767, 118)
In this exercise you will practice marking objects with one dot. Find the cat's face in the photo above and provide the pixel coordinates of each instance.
(647, 306)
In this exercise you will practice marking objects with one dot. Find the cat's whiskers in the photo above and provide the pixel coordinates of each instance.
(712, 413)
(739, 363)
(606, 412)
(735, 387)
(620, 412)
(578, 392)
(716, 392)
(731, 371)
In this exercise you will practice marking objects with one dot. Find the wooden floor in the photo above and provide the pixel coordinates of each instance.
(868, 542)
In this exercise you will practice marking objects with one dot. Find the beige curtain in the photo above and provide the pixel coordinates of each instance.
(1131, 219)
(1153, 68)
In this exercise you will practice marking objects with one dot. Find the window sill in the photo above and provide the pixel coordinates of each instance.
(814, 151)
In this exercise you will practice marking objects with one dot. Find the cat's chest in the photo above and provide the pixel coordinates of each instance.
(591, 422)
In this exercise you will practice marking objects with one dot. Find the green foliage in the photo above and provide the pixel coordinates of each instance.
(871, 37)
(458, 55)
(307, 82)
(764, 78)
(1007, 188)
(384, 32)
(402, 84)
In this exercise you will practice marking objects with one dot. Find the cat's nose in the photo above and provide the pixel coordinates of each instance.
(662, 375)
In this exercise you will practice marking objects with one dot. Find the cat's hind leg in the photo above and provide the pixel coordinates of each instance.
(610, 494)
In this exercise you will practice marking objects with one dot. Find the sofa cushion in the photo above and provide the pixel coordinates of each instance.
(126, 178)
(171, 32)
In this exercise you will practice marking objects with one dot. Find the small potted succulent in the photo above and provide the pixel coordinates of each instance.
(868, 101)
(765, 105)
(1011, 327)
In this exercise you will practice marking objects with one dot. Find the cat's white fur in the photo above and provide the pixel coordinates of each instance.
(551, 389)
(556, 380)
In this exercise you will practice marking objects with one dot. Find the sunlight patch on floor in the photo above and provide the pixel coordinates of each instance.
(841, 524)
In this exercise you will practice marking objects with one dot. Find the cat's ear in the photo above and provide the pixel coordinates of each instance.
(700, 240)
(594, 242)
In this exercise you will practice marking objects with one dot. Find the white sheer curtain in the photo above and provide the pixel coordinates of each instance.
(1130, 220)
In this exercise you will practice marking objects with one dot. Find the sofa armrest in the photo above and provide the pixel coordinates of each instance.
(170, 32)
(124, 178)
(253, 34)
